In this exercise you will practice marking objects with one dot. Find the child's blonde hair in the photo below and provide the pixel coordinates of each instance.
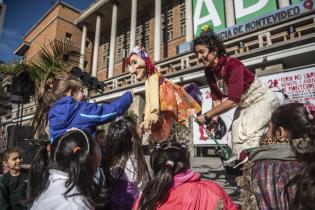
(53, 89)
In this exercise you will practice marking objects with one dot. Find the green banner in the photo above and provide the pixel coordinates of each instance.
(209, 12)
(295, 1)
(246, 10)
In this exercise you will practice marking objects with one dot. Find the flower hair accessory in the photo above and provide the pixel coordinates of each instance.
(76, 149)
(169, 163)
(206, 28)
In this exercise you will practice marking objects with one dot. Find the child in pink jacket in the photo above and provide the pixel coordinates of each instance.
(175, 186)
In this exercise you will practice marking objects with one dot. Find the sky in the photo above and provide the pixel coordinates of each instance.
(20, 17)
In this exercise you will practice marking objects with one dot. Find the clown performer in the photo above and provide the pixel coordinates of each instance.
(254, 101)
(165, 102)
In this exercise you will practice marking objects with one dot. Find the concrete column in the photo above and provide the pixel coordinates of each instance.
(157, 30)
(96, 44)
(82, 50)
(133, 24)
(137, 107)
(112, 40)
(189, 21)
(283, 3)
(229, 12)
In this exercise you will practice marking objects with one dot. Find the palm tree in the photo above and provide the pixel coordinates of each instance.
(56, 58)
(52, 60)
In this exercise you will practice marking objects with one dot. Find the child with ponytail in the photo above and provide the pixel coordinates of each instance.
(62, 175)
(125, 167)
(60, 105)
(175, 186)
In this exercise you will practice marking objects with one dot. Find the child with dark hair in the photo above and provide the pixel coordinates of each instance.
(175, 186)
(126, 170)
(100, 137)
(242, 89)
(280, 173)
(62, 175)
(60, 103)
(13, 183)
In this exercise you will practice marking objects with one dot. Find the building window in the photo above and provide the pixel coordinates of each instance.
(68, 37)
(182, 18)
(167, 21)
(139, 34)
(126, 44)
(147, 34)
(105, 56)
(119, 48)
(87, 44)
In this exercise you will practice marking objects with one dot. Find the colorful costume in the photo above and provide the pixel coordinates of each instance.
(169, 100)
(165, 102)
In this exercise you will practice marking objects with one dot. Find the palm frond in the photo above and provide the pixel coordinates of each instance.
(55, 59)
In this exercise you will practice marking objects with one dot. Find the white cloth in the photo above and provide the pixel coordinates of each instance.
(251, 118)
(53, 198)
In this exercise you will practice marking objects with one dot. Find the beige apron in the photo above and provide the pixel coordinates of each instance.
(251, 118)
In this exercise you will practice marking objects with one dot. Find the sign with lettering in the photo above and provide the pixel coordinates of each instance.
(247, 10)
(294, 86)
(268, 19)
(249, 15)
(209, 12)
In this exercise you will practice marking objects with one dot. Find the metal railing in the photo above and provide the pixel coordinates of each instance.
(278, 35)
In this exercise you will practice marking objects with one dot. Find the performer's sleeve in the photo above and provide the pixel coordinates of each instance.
(235, 81)
(102, 113)
(216, 93)
(152, 98)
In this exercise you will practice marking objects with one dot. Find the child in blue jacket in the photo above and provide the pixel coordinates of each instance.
(62, 99)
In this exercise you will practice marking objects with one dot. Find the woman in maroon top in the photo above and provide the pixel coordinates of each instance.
(254, 101)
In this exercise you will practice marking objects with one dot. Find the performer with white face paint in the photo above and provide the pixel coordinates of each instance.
(165, 102)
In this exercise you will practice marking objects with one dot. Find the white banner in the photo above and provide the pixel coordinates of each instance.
(200, 136)
(293, 86)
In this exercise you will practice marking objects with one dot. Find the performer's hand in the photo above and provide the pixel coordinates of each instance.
(154, 117)
(145, 126)
(201, 118)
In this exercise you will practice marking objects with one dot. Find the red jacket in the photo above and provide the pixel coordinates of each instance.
(234, 74)
(189, 192)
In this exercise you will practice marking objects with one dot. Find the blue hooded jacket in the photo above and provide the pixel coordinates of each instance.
(68, 113)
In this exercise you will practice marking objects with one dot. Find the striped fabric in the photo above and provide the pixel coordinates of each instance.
(269, 181)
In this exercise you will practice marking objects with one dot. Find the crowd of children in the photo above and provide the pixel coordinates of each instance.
(84, 168)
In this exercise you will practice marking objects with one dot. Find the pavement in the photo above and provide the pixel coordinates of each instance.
(211, 168)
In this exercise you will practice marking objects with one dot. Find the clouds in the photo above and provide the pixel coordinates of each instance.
(9, 40)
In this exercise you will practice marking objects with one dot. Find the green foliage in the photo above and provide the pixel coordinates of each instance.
(54, 59)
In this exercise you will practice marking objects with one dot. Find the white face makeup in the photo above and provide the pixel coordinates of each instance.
(137, 66)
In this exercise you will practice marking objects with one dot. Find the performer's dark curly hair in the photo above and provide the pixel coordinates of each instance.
(211, 40)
